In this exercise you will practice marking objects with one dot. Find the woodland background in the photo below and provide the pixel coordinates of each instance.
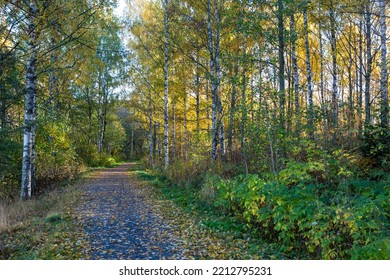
(275, 112)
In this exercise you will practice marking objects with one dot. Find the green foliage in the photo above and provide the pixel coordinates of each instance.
(302, 172)
(56, 158)
(325, 224)
(241, 196)
(208, 232)
(376, 145)
(375, 250)
(53, 218)
(104, 160)
(10, 170)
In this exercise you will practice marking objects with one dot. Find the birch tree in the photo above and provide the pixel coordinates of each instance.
(30, 105)
(384, 84)
(166, 83)
(308, 72)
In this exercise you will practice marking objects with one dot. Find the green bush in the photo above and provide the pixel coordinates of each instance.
(376, 145)
(10, 168)
(56, 158)
(325, 224)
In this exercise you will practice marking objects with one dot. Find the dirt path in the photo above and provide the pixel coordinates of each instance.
(120, 220)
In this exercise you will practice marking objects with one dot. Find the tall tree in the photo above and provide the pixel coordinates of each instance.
(281, 75)
(384, 84)
(335, 102)
(308, 72)
(295, 78)
(369, 60)
(214, 82)
(166, 84)
(30, 105)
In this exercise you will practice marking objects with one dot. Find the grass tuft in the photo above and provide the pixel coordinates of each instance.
(53, 218)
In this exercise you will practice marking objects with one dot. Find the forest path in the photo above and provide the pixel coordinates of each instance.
(121, 220)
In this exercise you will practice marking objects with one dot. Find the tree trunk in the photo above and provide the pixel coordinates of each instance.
(367, 75)
(218, 75)
(151, 140)
(103, 116)
(3, 109)
(384, 111)
(243, 95)
(29, 108)
(334, 70)
(308, 69)
(185, 126)
(197, 92)
(322, 81)
(173, 151)
(51, 77)
(232, 110)
(295, 74)
(214, 87)
(350, 112)
(159, 143)
(281, 76)
(132, 141)
(166, 75)
(360, 105)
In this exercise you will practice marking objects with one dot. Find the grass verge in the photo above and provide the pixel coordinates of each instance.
(207, 233)
(43, 227)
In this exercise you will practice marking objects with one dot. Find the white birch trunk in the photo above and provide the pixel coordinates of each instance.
(151, 140)
(185, 126)
(218, 75)
(322, 79)
(334, 69)
(295, 75)
(308, 69)
(367, 76)
(28, 172)
(281, 75)
(166, 75)
(213, 85)
(197, 89)
(384, 111)
(360, 106)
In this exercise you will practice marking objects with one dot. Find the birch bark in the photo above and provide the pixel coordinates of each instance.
(166, 76)
(28, 170)
(308, 70)
(384, 84)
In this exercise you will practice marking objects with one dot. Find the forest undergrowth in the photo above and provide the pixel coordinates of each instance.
(333, 205)
(43, 227)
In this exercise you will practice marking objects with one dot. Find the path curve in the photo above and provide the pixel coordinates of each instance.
(120, 220)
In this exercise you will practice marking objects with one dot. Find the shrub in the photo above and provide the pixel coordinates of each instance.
(302, 172)
(10, 168)
(56, 159)
(376, 145)
(327, 225)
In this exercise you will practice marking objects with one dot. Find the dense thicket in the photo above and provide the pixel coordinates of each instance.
(295, 92)
(60, 66)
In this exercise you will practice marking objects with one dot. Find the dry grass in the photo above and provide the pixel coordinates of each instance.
(33, 229)
(15, 213)
(3, 217)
